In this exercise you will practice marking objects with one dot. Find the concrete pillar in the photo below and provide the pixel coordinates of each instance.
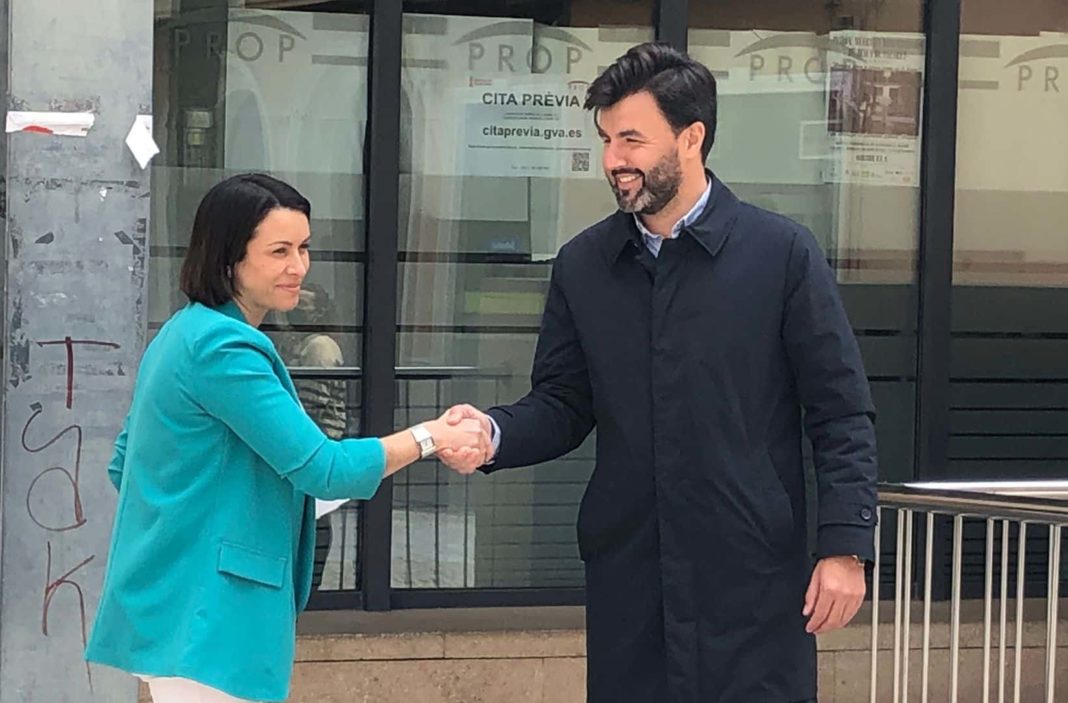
(75, 254)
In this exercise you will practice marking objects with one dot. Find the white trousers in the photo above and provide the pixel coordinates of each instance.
(165, 689)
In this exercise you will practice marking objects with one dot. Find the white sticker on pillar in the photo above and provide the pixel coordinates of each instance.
(64, 124)
(140, 140)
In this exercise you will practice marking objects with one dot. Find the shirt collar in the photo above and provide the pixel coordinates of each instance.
(686, 220)
(710, 227)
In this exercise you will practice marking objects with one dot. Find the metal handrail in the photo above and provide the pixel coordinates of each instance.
(1019, 500)
(1041, 489)
(1034, 504)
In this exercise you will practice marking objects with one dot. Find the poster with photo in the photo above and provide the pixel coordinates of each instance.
(874, 111)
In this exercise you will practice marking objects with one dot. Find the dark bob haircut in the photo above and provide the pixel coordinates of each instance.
(225, 222)
(684, 88)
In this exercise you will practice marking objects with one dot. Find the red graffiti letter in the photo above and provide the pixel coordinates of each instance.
(69, 344)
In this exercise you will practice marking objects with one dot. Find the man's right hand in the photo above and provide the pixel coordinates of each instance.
(466, 463)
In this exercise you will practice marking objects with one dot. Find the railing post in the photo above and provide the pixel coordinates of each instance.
(907, 613)
(954, 627)
(1002, 632)
(875, 606)
(928, 555)
(988, 600)
(898, 586)
(1052, 597)
(1021, 566)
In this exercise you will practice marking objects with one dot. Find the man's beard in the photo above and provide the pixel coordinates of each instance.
(660, 185)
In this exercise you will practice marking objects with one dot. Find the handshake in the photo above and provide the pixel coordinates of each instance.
(463, 437)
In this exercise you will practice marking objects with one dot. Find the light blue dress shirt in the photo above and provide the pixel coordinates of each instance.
(653, 241)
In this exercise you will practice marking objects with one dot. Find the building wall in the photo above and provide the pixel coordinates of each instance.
(548, 666)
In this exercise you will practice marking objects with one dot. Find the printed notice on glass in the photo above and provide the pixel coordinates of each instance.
(874, 98)
(534, 128)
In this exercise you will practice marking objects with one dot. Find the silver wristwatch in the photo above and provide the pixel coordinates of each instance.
(425, 441)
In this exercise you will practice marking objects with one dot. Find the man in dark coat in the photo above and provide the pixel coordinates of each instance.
(700, 335)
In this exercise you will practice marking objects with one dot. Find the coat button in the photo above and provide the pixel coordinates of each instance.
(865, 514)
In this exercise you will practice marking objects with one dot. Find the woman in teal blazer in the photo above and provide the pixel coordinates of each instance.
(218, 466)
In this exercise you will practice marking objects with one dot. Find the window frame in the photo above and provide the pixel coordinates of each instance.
(379, 373)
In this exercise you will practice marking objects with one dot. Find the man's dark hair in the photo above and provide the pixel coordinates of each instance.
(225, 222)
(683, 88)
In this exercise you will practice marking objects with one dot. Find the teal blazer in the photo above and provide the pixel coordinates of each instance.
(217, 468)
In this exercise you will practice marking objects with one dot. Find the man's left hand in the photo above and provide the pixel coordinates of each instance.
(834, 595)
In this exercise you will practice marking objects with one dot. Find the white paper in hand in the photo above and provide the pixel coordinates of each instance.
(325, 507)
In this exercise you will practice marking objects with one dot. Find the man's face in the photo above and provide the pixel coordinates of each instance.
(641, 154)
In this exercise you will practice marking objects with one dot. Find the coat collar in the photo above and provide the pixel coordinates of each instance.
(230, 309)
(710, 229)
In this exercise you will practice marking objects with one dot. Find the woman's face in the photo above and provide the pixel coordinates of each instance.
(276, 261)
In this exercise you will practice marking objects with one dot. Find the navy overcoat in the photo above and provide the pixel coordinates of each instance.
(700, 370)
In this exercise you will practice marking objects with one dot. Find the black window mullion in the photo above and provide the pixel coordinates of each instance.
(380, 295)
(671, 22)
(935, 265)
(935, 259)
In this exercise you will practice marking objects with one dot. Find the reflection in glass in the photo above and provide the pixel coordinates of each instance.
(1009, 363)
(238, 88)
(819, 119)
(500, 166)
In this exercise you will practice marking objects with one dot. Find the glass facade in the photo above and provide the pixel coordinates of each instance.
(823, 109)
(1009, 374)
(498, 169)
(820, 120)
(284, 92)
